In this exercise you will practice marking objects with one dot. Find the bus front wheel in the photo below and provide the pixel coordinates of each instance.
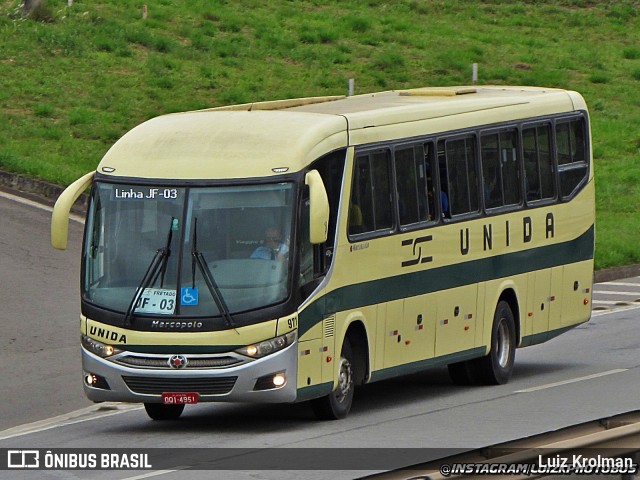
(496, 367)
(160, 411)
(337, 404)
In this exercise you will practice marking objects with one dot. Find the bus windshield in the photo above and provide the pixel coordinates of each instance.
(188, 252)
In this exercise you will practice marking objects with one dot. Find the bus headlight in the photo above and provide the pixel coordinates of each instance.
(101, 349)
(267, 347)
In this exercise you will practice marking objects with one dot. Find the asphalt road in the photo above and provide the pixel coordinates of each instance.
(39, 318)
(588, 373)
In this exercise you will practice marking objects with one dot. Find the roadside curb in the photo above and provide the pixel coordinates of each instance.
(45, 192)
(38, 190)
(609, 274)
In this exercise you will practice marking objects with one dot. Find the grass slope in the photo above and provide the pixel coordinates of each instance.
(75, 78)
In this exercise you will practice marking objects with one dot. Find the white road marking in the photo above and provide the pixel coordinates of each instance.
(622, 284)
(613, 302)
(599, 313)
(157, 473)
(611, 292)
(86, 414)
(571, 380)
(40, 206)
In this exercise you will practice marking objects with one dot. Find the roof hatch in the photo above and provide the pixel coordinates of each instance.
(438, 91)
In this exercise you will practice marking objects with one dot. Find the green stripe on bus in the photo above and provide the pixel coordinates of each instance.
(542, 337)
(314, 391)
(421, 365)
(444, 278)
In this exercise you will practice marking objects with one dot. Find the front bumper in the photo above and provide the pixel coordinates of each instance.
(244, 382)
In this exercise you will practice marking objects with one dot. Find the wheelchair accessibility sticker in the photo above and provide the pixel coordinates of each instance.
(189, 296)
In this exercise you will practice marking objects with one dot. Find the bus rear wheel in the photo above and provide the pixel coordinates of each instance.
(160, 411)
(337, 404)
(496, 367)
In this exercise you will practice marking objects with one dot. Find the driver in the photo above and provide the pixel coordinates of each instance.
(273, 247)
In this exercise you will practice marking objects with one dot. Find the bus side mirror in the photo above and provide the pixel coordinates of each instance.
(60, 216)
(319, 208)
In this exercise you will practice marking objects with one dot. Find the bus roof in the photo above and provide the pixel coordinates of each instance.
(261, 139)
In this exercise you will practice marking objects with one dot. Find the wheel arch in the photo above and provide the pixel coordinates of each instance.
(509, 295)
(356, 334)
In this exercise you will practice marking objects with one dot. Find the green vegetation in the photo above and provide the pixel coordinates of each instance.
(75, 78)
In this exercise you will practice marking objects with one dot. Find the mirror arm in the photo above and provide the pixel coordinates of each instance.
(60, 216)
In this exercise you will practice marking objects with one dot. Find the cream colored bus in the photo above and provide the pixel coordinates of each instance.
(290, 250)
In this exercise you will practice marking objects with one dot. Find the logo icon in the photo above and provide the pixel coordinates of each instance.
(189, 296)
(23, 459)
(418, 256)
(178, 361)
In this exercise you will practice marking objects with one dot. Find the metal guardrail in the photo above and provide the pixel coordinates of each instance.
(616, 437)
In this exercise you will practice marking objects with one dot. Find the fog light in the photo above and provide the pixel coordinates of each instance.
(279, 380)
(271, 381)
(96, 381)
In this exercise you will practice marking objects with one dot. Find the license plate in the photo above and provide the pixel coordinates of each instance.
(179, 398)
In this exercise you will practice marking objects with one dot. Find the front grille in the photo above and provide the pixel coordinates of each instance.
(158, 385)
(195, 361)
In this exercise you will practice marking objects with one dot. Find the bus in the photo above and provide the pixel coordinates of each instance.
(291, 250)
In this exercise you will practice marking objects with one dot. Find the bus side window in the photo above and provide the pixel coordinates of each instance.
(491, 171)
(572, 157)
(444, 180)
(360, 197)
(371, 198)
(538, 163)
(430, 164)
(462, 175)
(510, 167)
(331, 169)
(412, 178)
(500, 169)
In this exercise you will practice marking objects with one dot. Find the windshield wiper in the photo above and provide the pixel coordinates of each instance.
(198, 259)
(157, 267)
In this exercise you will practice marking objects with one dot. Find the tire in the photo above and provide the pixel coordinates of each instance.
(496, 367)
(160, 411)
(337, 404)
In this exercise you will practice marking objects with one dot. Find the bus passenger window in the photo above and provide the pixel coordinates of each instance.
(444, 182)
(491, 171)
(429, 165)
(500, 169)
(510, 168)
(572, 159)
(360, 214)
(462, 175)
(370, 205)
(538, 163)
(411, 185)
